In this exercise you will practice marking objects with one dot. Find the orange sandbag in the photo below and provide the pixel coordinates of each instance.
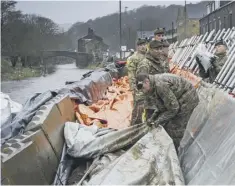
(116, 109)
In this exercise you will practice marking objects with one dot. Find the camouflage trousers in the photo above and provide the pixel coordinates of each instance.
(138, 108)
(177, 125)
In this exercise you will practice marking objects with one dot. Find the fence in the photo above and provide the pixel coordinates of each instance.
(184, 63)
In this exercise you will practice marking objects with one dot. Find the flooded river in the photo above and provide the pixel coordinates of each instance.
(20, 91)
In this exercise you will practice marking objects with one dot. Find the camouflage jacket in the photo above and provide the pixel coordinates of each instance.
(132, 65)
(214, 70)
(154, 63)
(170, 95)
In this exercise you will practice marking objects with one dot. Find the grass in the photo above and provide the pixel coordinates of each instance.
(17, 73)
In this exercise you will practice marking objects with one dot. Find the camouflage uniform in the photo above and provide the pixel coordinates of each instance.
(175, 98)
(214, 70)
(155, 61)
(132, 65)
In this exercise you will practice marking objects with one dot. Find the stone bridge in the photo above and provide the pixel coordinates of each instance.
(82, 58)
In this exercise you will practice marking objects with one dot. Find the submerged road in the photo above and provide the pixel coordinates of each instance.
(20, 91)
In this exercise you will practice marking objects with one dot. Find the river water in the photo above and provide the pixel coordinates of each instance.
(20, 91)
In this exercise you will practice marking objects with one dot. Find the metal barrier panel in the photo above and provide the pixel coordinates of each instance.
(184, 57)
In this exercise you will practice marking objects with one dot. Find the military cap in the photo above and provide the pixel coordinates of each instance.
(141, 41)
(220, 42)
(155, 44)
(159, 31)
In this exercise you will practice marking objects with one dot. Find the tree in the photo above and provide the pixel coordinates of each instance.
(28, 34)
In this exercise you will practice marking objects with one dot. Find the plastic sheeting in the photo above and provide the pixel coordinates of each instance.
(151, 159)
(204, 56)
(207, 153)
(21, 120)
(90, 89)
(9, 108)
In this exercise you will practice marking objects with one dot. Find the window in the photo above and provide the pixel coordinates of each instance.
(210, 26)
(230, 20)
(225, 25)
(215, 25)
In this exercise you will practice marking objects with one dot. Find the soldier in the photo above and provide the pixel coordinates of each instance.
(133, 62)
(173, 99)
(132, 65)
(159, 35)
(216, 63)
(155, 61)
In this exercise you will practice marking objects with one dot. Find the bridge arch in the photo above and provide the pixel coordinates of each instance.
(82, 58)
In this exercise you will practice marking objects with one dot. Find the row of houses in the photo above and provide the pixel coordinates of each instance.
(219, 15)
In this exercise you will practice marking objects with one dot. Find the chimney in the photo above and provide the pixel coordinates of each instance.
(90, 31)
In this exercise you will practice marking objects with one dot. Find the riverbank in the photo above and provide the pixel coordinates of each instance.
(9, 73)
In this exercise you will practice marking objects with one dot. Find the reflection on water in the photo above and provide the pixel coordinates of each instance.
(20, 91)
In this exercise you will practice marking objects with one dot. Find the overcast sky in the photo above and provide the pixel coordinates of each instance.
(72, 11)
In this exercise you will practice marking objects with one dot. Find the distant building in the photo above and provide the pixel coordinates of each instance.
(145, 34)
(93, 44)
(187, 25)
(171, 35)
(220, 14)
(150, 34)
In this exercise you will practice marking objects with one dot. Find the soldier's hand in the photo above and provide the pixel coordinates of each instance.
(212, 60)
(198, 60)
(149, 122)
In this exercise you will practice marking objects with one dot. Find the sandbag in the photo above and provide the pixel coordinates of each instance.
(90, 89)
(207, 152)
(93, 144)
(24, 117)
(150, 159)
(9, 108)
(204, 56)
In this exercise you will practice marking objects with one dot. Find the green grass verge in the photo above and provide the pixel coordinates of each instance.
(17, 73)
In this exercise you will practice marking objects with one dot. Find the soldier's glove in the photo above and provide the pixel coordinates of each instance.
(150, 122)
(212, 60)
(199, 64)
(198, 60)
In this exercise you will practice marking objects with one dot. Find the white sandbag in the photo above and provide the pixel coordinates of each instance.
(151, 159)
(75, 133)
(204, 56)
(8, 107)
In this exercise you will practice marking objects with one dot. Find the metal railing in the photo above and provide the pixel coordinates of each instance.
(184, 56)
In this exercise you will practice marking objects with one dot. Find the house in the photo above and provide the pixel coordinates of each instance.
(187, 24)
(220, 14)
(150, 35)
(145, 34)
(93, 44)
